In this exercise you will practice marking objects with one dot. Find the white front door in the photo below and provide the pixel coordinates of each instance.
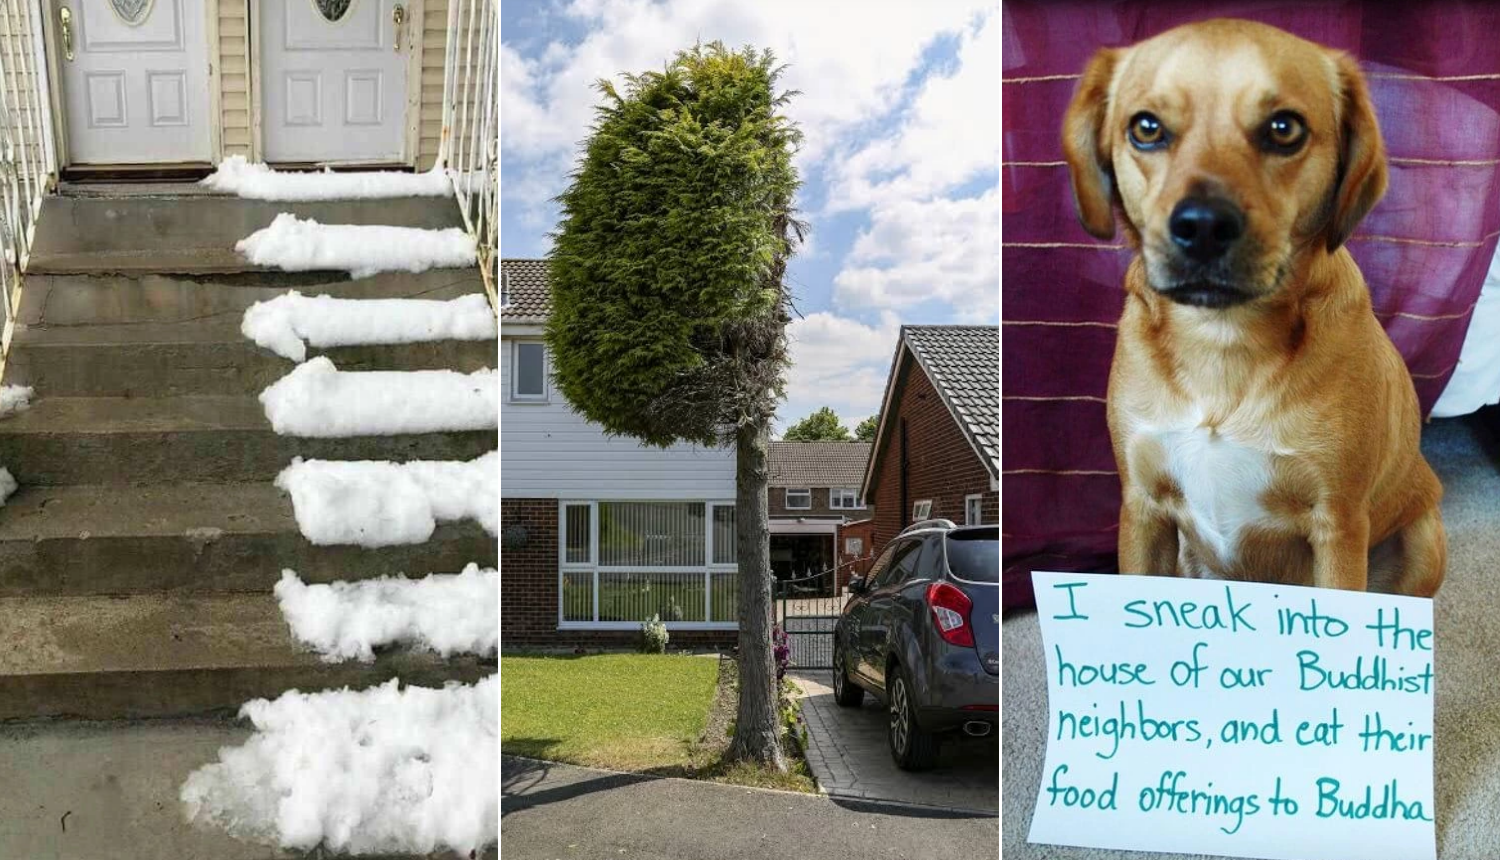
(333, 80)
(136, 84)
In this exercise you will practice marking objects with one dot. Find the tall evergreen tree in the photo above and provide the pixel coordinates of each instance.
(669, 308)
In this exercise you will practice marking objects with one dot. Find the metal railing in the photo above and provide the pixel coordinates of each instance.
(26, 172)
(471, 126)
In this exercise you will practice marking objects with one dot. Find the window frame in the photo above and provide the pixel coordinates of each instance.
(976, 499)
(840, 493)
(787, 498)
(923, 505)
(709, 569)
(515, 372)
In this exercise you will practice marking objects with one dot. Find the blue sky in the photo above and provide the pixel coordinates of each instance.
(900, 167)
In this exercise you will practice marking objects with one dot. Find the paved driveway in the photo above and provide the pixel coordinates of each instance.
(849, 757)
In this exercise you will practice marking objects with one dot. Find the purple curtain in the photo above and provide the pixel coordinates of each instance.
(1434, 73)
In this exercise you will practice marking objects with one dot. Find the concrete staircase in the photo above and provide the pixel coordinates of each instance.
(137, 559)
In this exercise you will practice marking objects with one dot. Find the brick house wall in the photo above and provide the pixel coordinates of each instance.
(528, 592)
(851, 566)
(941, 464)
(776, 504)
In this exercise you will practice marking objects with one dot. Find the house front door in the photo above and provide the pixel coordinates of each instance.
(135, 80)
(334, 80)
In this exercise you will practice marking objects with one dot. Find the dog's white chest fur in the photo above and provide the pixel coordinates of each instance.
(1222, 481)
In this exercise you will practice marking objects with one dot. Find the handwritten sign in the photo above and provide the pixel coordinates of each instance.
(1241, 719)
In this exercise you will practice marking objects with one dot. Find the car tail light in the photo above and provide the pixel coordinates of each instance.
(950, 612)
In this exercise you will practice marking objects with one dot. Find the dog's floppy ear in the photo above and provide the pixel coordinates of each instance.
(1362, 170)
(1087, 150)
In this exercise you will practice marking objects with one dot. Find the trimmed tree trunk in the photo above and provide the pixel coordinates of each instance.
(756, 729)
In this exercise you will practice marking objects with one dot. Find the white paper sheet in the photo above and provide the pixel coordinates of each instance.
(1177, 707)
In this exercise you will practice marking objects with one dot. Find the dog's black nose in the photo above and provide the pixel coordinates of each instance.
(1205, 227)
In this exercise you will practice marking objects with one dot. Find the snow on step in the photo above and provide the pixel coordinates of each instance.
(316, 399)
(444, 612)
(297, 245)
(381, 770)
(237, 175)
(373, 503)
(13, 399)
(287, 324)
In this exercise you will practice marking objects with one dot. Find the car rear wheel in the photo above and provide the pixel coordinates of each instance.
(911, 748)
(846, 693)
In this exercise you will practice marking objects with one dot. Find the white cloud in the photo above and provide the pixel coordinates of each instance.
(922, 243)
(946, 250)
(948, 136)
(838, 362)
(850, 61)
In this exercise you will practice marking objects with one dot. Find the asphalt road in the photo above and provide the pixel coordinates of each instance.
(558, 812)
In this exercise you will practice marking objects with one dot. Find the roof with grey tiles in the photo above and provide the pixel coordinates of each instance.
(818, 464)
(525, 294)
(963, 362)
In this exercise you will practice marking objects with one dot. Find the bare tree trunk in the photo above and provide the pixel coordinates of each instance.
(756, 728)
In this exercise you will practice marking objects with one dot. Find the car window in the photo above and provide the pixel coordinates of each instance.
(974, 554)
(880, 564)
(930, 564)
(901, 564)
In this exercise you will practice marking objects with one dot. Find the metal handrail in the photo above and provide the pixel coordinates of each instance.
(26, 171)
(470, 148)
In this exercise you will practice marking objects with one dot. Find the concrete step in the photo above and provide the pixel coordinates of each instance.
(153, 655)
(89, 540)
(193, 233)
(199, 357)
(109, 791)
(202, 438)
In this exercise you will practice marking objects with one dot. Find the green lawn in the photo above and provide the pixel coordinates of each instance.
(619, 711)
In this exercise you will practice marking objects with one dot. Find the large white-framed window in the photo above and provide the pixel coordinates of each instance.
(973, 510)
(798, 500)
(620, 562)
(528, 371)
(846, 499)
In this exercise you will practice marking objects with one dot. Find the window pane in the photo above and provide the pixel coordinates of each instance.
(578, 596)
(651, 534)
(636, 597)
(576, 532)
(530, 359)
(726, 596)
(799, 498)
(725, 546)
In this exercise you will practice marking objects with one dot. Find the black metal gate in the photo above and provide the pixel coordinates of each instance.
(807, 609)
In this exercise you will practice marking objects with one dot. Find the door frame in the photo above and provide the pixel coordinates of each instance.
(55, 93)
(412, 33)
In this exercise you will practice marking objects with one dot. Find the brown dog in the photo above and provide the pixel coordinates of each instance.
(1264, 425)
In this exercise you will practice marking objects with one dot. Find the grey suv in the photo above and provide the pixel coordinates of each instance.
(921, 632)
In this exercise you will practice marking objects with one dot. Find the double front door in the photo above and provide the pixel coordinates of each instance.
(327, 79)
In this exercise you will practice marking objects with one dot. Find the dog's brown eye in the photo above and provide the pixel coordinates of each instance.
(1146, 131)
(1285, 132)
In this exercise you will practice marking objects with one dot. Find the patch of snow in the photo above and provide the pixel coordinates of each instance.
(8, 485)
(374, 503)
(317, 399)
(375, 771)
(450, 613)
(14, 398)
(287, 324)
(237, 175)
(297, 245)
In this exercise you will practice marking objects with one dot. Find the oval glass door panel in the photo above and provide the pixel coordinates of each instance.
(333, 10)
(133, 12)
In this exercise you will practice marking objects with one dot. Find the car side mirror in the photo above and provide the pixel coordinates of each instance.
(857, 585)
